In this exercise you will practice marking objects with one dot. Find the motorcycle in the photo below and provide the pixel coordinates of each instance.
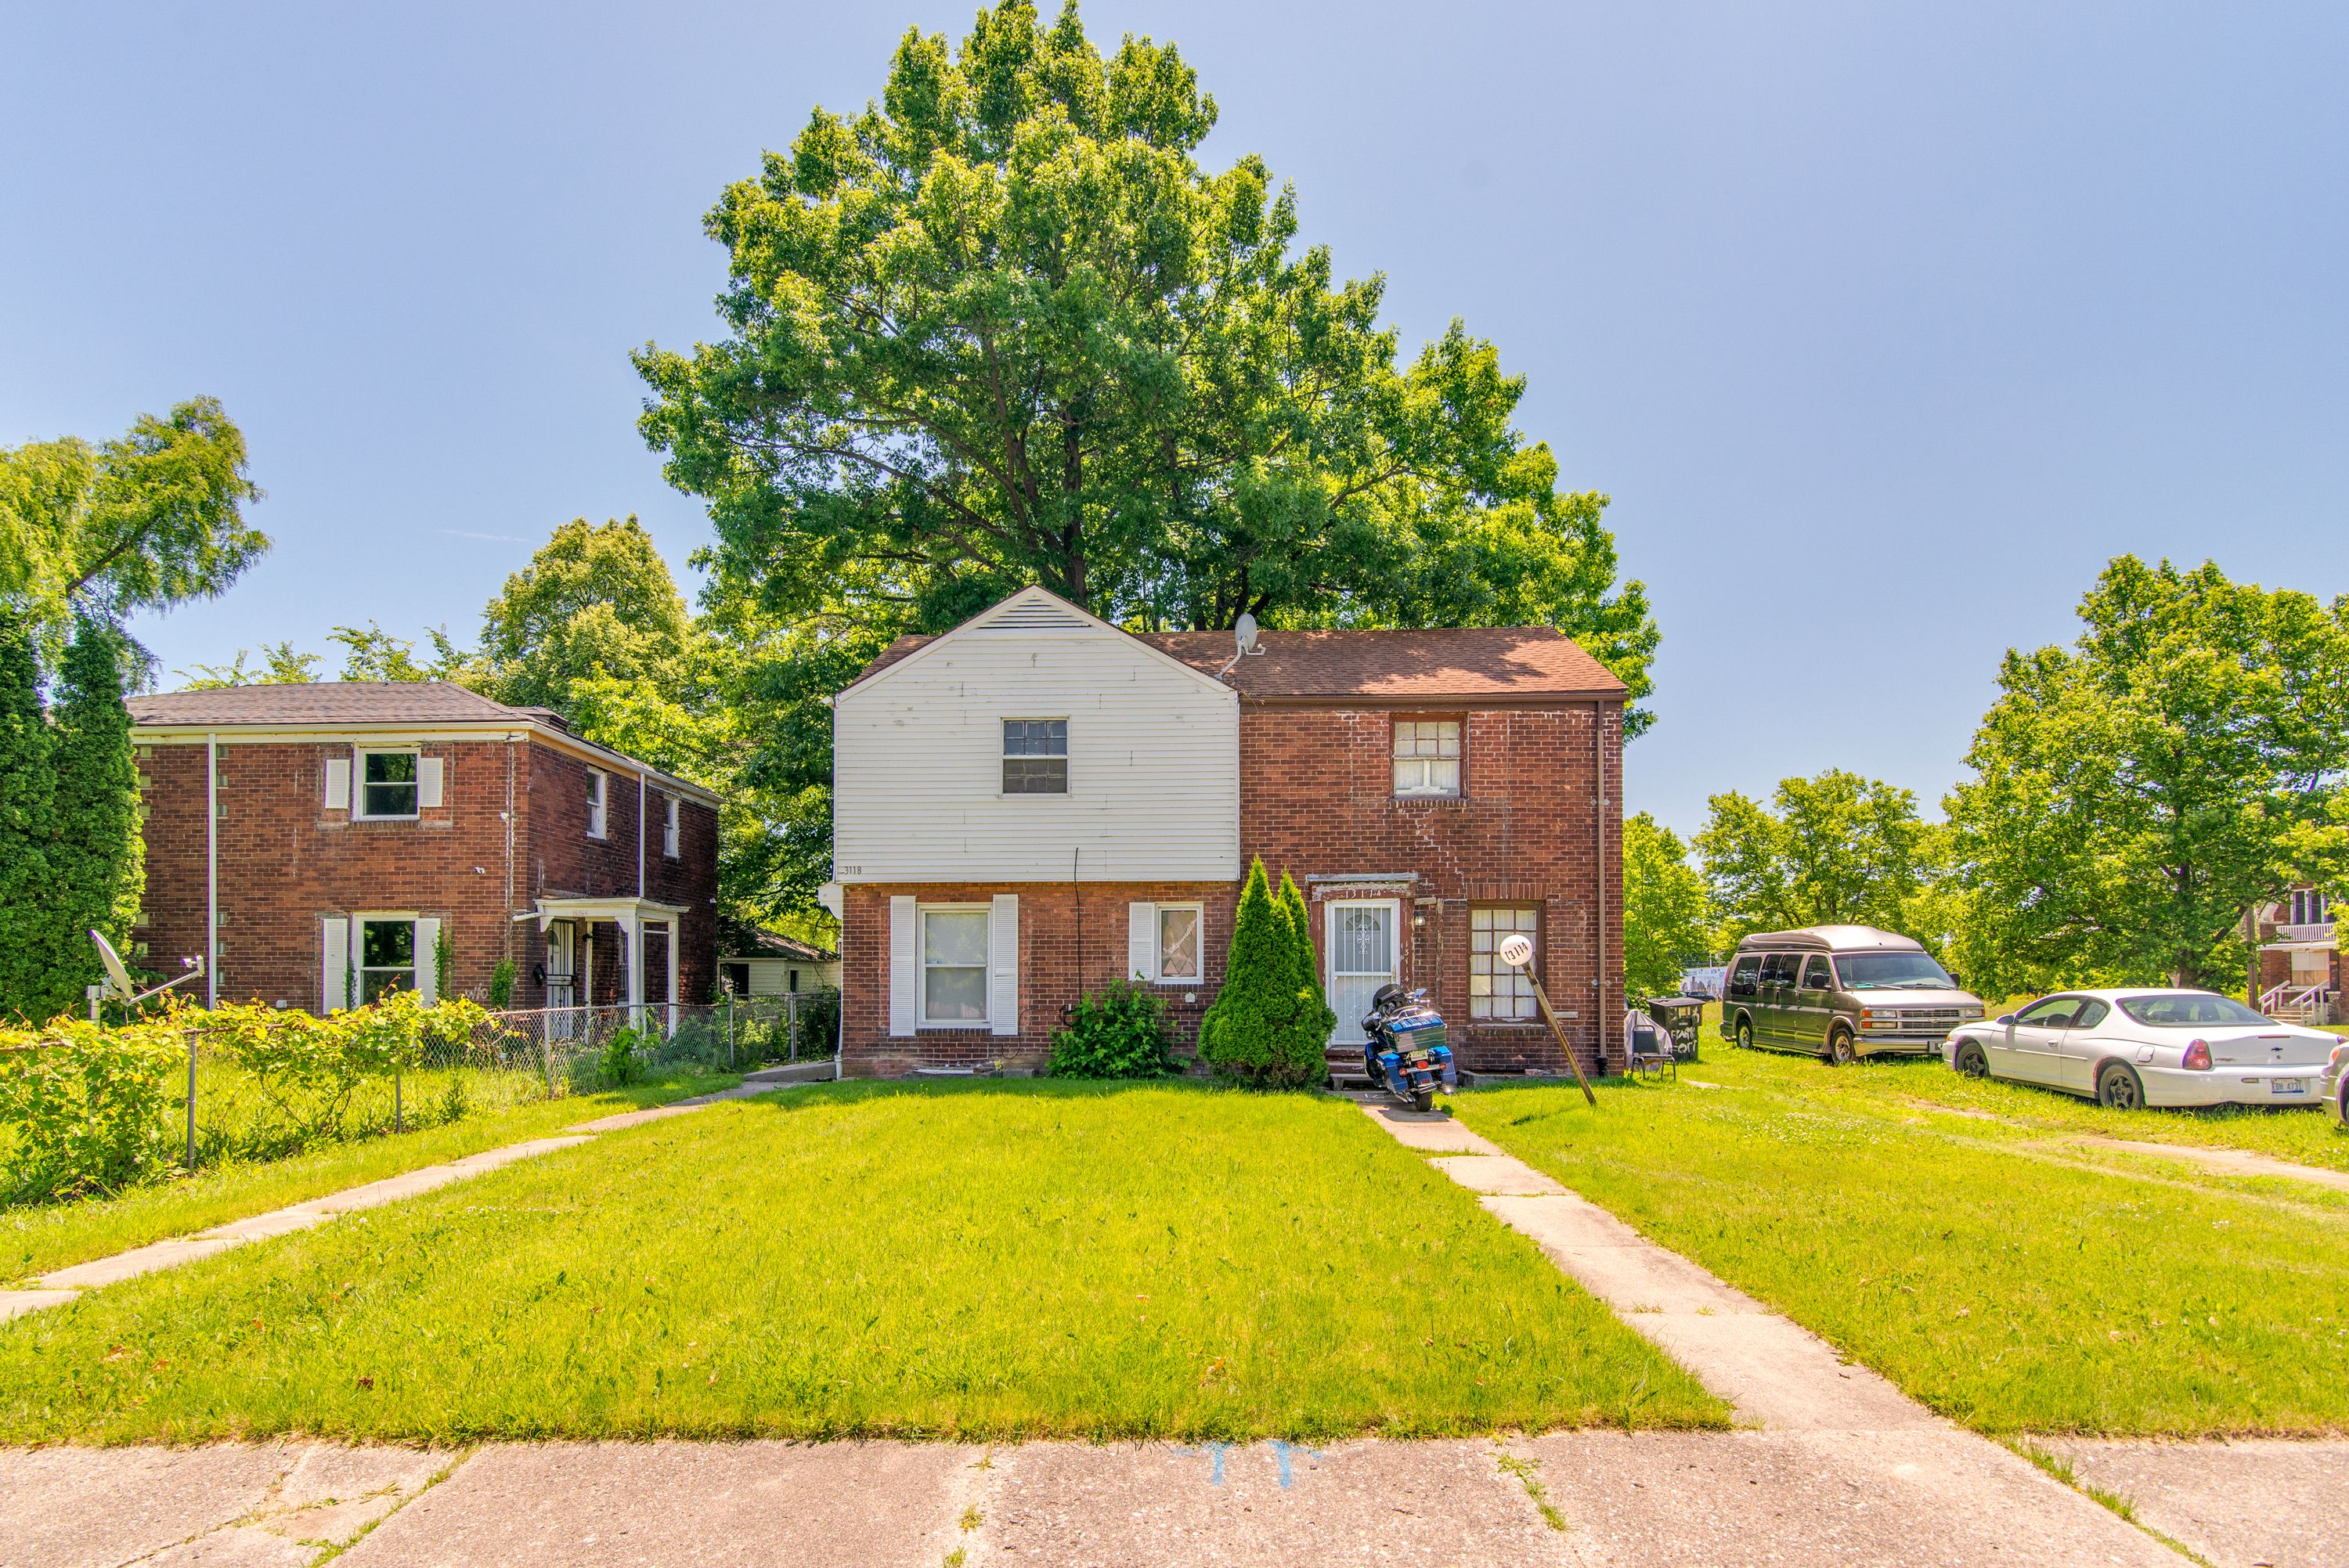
(1403, 1051)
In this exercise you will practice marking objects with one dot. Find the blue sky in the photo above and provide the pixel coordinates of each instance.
(1885, 325)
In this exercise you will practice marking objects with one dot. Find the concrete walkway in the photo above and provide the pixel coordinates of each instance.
(61, 1285)
(1852, 1470)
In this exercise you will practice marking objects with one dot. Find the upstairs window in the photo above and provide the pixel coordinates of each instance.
(1035, 756)
(2310, 907)
(388, 784)
(669, 828)
(1427, 757)
(595, 802)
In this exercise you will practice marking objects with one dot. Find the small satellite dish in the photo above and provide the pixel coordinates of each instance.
(1516, 950)
(1244, 632)
(117, 978)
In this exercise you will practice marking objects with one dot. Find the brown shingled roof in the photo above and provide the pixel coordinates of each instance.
(325, 702)
(1410, 665)
(1500, 662)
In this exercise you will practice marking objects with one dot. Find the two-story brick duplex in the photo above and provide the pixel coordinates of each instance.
(349, 826)
(1038, 802)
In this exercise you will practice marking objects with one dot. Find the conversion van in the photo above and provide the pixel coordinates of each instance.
(1840, 992)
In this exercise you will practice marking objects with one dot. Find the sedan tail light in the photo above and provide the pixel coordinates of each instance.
(2197, 1056)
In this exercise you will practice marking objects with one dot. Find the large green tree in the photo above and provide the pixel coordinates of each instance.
(1837, 848)
(596, 599)
(1666, 911)
(1001, 327)
(28, 788)
(96, 859)
(2136, 794)
(149, 520)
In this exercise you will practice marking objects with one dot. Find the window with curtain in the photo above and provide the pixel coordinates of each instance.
(1427, 757)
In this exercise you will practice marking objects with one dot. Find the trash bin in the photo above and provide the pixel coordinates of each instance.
(1679, 1016)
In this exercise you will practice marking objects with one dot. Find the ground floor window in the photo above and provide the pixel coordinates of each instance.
(1498, 990)
(1178, 943)
(954, 966)
(387, 957)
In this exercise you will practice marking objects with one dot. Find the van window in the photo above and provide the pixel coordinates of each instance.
(1816, 975)
(1743, 974)
(1778, 968)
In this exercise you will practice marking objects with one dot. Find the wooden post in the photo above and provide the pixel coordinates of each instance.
(1517, 952)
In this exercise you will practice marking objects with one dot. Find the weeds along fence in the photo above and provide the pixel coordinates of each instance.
(85, 1109)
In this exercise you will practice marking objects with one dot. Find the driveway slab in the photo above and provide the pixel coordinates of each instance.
(96, 1508)
(602, 1505)
(1934, 1498)
(2242, 1504)
(2226, 1161)
(1169, 1506)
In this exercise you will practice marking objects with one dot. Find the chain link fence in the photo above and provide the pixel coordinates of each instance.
(195, 1104)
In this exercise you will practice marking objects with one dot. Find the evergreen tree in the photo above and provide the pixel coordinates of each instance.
(97, 861)
(1315, 1020)
(27, 824)
(1260, 1029)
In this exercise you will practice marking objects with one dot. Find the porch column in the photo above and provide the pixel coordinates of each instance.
(632, 932)
(672, 973)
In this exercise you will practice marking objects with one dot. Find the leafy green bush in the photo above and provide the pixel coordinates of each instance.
(620, 1066)
(1119, 1032)
(1270, 1024)
(85, 1106)
(502, 984)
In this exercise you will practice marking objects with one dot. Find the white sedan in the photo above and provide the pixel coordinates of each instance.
(2135, 1047)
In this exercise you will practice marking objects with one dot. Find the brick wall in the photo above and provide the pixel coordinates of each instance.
(285, 862)
(1316, 797)
(1073, 939)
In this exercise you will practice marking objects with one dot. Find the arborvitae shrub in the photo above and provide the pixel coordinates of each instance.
(1265, 1029)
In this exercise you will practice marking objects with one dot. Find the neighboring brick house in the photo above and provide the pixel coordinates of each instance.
(2296, 966)
(1038, 802)
(354, 823)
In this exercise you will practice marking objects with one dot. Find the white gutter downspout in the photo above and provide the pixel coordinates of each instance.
(212, 873)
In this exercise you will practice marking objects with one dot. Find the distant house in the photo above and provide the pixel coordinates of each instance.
(1036, 804)
(350, 826)
(2296, 970)
(755, 962)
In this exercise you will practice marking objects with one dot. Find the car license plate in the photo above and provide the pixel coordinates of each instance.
(2287, 1086)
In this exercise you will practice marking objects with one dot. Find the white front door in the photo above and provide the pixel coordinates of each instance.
(1361, 948)
(562, 954)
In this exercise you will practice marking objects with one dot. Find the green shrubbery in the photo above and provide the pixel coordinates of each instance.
(87, 1108)
(1270, 1024)
(1118, 1032)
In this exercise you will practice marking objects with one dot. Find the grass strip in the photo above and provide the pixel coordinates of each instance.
(978, 1261)
(2008, 1293)
(2303, 1132)
(36, 1238)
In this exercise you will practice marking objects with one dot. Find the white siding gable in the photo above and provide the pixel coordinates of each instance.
(1153, 759)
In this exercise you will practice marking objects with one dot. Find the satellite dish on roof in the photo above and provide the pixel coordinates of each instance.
(117, 978)
(1244, 632)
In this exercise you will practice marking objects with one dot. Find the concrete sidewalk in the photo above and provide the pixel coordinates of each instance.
(61, 1285)
(1654, 1499)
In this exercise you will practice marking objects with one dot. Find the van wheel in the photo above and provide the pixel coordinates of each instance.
(2118, 1087)
(1970, 1059)
(1745, 1034)
(1839, 1048)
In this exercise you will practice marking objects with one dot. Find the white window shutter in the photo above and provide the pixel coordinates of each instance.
(334, 945)
(428, 938)
(428, 782)
(1142, 942)
(904, 964)
(338, 783)
(1003, 965)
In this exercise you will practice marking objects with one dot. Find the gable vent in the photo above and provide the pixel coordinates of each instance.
(1037, 615)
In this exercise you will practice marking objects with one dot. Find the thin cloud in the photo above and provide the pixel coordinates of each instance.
(493, 538)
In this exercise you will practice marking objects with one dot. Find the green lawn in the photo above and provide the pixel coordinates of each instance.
(36, 1238)
(2302, 1133)
(2005, 1280)
(979, 1261)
